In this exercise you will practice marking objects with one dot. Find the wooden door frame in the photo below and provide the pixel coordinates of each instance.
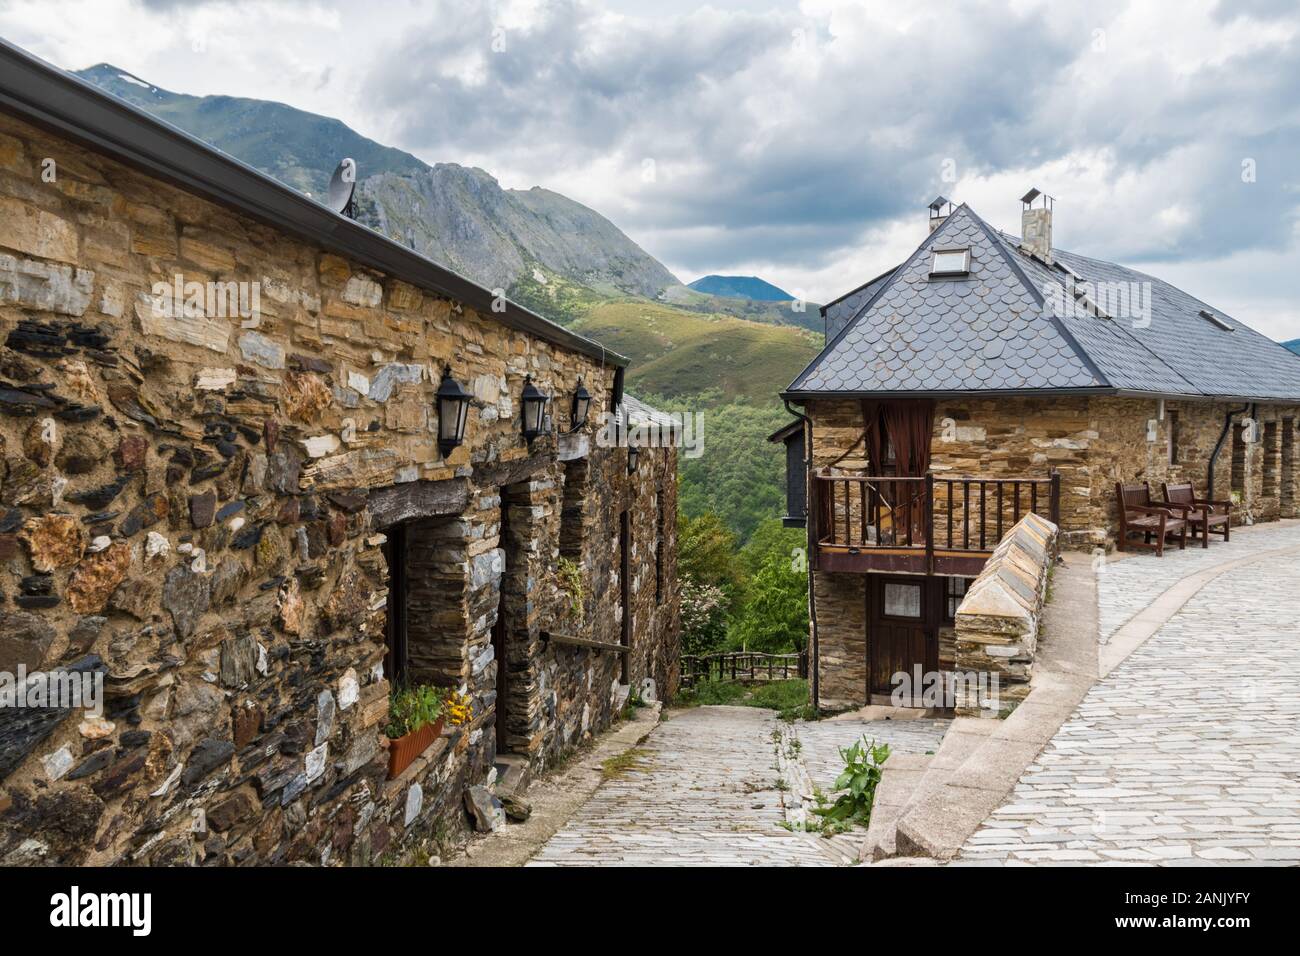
(929, 623)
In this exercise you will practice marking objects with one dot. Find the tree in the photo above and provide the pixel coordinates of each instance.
(774, 618)
(706, 552)
(704, 618)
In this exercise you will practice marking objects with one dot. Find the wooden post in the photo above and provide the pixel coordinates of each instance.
(929, 522)
(1055, 506)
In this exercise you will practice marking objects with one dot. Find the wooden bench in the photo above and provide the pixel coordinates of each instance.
(1138, 514)
(1200, 514)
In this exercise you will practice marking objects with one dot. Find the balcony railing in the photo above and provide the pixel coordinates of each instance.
(929, 525)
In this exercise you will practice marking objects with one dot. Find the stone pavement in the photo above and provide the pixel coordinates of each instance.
(702, 790)
(1189, 751)
(1128, 582)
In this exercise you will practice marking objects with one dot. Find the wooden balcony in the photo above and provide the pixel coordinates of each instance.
(929, 525)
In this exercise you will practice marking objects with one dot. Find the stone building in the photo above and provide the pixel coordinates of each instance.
(988, 377)
(222, 492)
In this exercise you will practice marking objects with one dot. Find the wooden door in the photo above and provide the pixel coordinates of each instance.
(902, 636)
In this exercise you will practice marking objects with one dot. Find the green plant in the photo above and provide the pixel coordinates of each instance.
(570, 575)
(862, 767)
(411, 708)
(633, 703)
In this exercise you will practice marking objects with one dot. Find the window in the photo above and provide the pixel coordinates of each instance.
(1221, 322)
(902, 600)
(950, 262)
(1173, 437)
(954, 589)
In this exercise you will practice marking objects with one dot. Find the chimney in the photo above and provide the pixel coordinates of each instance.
(939, 210)
(1036, 225)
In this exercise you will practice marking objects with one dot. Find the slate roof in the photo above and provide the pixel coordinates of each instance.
(999, 330)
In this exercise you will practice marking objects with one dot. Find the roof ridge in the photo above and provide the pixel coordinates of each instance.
(866, 306)
(1126, 332)
(1079, 351)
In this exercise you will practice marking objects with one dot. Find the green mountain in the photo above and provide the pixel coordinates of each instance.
(1293, 345)
(740, 287)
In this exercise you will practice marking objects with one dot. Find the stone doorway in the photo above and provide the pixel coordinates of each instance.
(515, 643)
(500, 631)
(427, 624)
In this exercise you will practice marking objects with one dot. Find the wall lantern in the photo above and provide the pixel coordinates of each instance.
(581, 406)
(632, 453)
(453, 409)
(534, 403)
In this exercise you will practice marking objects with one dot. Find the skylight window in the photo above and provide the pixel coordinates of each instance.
(950, 262)
(1220, 322)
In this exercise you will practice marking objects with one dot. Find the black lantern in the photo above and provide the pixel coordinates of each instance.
(534, 402)
(581, 406)
(453, 409)
(632, 453)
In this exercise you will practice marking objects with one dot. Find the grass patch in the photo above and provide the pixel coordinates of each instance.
(788, 697)
(626, 762)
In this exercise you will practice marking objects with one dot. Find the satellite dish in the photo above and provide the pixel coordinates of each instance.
(342, 185)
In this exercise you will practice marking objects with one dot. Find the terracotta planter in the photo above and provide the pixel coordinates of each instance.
(403, 750)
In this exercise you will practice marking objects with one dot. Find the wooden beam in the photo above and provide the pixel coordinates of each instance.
(574, 641)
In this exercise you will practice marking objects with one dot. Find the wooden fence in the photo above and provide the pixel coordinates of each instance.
(743, 666)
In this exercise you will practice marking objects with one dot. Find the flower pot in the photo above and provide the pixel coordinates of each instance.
(403, 750)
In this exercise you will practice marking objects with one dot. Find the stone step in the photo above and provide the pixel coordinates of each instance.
(963, 740)
(898, 780)
(513, 774)
(939, 821)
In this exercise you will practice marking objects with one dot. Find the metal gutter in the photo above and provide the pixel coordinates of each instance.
(814, 649)
(42, 94)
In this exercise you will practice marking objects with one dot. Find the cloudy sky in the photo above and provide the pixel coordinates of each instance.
(796, 141)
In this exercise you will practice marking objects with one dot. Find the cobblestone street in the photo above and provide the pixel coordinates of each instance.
(702, 791)
(1189, 751)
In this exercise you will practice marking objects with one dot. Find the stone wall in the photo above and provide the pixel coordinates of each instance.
(998, 620)
(197, 507)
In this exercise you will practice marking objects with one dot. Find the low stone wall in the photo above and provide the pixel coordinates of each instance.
(997, 622)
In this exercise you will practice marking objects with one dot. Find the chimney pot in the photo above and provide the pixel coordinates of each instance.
(939, 210)
(1036, 225)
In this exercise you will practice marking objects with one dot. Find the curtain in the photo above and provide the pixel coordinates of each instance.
(910, 426)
